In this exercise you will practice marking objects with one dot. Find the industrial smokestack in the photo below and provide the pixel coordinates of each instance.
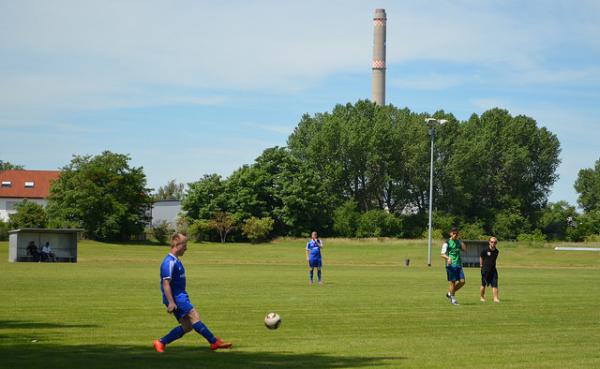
(378, 90)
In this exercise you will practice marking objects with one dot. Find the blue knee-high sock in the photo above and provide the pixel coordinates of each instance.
(204, 331)
(176, 333)
(311, 273)
(319, 274)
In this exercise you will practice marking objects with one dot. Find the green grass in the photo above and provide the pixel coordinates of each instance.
(372, 311)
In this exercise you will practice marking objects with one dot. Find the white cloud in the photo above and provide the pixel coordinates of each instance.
(431, 81)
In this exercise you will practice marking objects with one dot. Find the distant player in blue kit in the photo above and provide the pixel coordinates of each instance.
(177, 301)
(313, 255)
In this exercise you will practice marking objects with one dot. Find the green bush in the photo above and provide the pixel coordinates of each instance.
(586, 225)
(161, 232)
(436, 234)
(257, 229)
(592, 238)
(200, 230)
(378, 223)
(345, 219)
(4, 228)
(535, 236)
(509, 224)
(444, 222)
(473, 231)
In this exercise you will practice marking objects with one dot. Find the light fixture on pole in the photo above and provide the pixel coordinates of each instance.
(432, 123)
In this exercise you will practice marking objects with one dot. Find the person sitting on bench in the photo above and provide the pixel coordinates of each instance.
(32, 251)
(47, 254)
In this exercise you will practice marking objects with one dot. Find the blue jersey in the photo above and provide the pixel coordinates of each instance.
(172, 269)
(314, 249)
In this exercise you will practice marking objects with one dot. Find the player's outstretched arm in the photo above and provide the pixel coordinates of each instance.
(169, 295)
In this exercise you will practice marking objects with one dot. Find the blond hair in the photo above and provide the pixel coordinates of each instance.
(177, 238)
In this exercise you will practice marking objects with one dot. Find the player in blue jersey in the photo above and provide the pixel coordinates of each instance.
(313, 256)
(177, 301)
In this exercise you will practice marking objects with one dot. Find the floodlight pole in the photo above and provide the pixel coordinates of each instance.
(432, 133)
(431, 122)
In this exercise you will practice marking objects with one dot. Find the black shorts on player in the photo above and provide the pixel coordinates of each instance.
(489, 278)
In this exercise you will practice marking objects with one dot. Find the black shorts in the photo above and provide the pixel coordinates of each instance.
(489, 278)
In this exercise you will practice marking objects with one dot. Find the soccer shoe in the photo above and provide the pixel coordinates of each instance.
(453, 301)
(482, 299)
(159, 346)
(220, 345)
(496, 300)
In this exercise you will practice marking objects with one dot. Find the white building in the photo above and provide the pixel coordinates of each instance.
(166, 210)
(19, 185)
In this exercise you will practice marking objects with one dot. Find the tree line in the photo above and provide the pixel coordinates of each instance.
(360, 170)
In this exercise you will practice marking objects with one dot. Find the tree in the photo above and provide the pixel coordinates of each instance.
(103, 194)
(223, 223)
(497, 163)
(345, 219)
(588, 187)
(554, 220)
(257, 229)
(5, 165)
(171, 191)
(205, 197)
(29, 215)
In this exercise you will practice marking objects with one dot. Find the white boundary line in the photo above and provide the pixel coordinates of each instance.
(577, 248)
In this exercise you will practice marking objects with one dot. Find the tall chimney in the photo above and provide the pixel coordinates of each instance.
(378, 90)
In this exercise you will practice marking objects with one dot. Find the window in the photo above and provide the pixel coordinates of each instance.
(29, 184)
(6, 184)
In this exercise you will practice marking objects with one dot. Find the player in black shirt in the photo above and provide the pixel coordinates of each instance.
(489, 274)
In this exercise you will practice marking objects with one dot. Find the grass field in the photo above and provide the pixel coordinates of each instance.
(372, 311)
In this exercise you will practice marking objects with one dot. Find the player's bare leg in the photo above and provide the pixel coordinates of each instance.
(482, 294)
(495, 293)
(459, 285)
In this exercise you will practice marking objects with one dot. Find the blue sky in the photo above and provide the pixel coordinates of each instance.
(191, 87)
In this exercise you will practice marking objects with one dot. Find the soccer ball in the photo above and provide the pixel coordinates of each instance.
(272, 321)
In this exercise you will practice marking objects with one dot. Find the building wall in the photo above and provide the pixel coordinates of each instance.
(7, 206)
(167, 210)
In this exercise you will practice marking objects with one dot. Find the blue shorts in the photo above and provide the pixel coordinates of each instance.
(184, 306)
(455, 273)
(489, 278)
(314, 263)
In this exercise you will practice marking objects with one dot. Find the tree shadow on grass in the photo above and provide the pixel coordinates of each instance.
(22, 324)
(26, 344)
(107, 356)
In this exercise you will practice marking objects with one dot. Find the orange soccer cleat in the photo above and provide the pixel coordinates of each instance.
(220, 345)
(159, 346)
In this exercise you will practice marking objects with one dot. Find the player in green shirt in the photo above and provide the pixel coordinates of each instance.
(451, 253)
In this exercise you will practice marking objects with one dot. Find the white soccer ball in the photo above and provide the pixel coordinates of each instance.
(272, 321)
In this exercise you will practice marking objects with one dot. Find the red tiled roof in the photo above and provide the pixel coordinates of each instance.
(41, 183)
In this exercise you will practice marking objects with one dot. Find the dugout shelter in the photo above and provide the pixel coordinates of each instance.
(470, 258)
(62, 241)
